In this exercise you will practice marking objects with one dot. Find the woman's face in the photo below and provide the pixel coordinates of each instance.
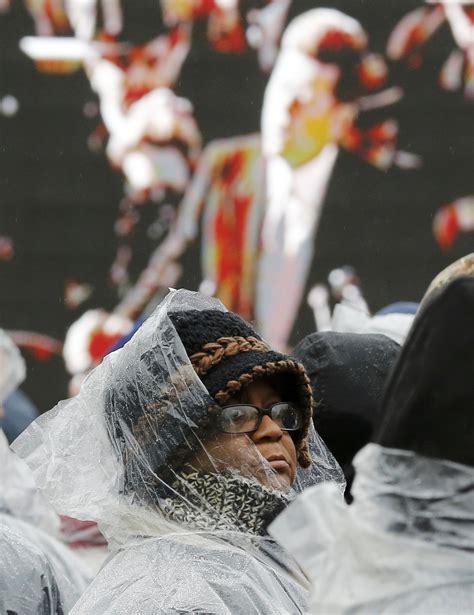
(245, 451)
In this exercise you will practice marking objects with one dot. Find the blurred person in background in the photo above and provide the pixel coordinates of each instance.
(406, 542)
(39, 574)
(193, 436)
(28, 511)
(16, 410)
(351, 312)
(348, 373)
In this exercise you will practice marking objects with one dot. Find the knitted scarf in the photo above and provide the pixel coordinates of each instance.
(223, 502)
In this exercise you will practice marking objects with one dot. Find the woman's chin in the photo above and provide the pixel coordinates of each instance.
(275, 480)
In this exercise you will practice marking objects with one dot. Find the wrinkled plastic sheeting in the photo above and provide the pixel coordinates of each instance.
(406, 544)
(20, 498)
(12, 366)
(38, 575)
(197, 573)
(19, 495)
(79, 457)
(187, 539)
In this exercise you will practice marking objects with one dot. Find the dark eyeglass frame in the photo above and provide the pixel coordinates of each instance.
(265, 412)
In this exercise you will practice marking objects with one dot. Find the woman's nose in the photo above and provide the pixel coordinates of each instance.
(268, 429)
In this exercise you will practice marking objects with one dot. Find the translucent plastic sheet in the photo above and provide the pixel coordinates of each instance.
(38, 574)
(140, 451)
(12, 366)
(19, 495)
(406, 544)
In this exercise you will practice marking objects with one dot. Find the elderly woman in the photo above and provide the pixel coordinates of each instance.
(184, 445)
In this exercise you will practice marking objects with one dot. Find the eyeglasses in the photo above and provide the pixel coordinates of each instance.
(244, 418)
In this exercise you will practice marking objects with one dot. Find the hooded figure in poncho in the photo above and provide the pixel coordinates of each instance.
(406, 544)
(183, 445)
(38, 574)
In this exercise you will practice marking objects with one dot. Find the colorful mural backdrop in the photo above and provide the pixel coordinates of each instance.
(244, 148)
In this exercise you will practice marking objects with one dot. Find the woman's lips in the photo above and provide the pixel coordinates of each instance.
(278, 463)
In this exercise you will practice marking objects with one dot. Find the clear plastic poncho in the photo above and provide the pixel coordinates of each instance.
(119, 454)
(406, 544)
(19, 495)
(38, 574)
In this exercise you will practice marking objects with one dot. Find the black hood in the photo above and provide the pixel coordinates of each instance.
(429, 401)
(348, 372)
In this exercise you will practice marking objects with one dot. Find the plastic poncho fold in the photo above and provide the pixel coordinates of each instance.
(185, 539)
(38, 574)
(406, 544)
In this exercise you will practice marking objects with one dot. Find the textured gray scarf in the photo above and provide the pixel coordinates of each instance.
(223, 502)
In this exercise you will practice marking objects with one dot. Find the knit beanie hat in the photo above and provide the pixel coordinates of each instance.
(228, 354)
(157, 414)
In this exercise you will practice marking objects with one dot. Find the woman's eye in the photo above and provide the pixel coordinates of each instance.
(236, 415)
(285, 415)
(289, 420)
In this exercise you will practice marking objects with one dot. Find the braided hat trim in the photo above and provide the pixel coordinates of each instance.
(212, 353)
